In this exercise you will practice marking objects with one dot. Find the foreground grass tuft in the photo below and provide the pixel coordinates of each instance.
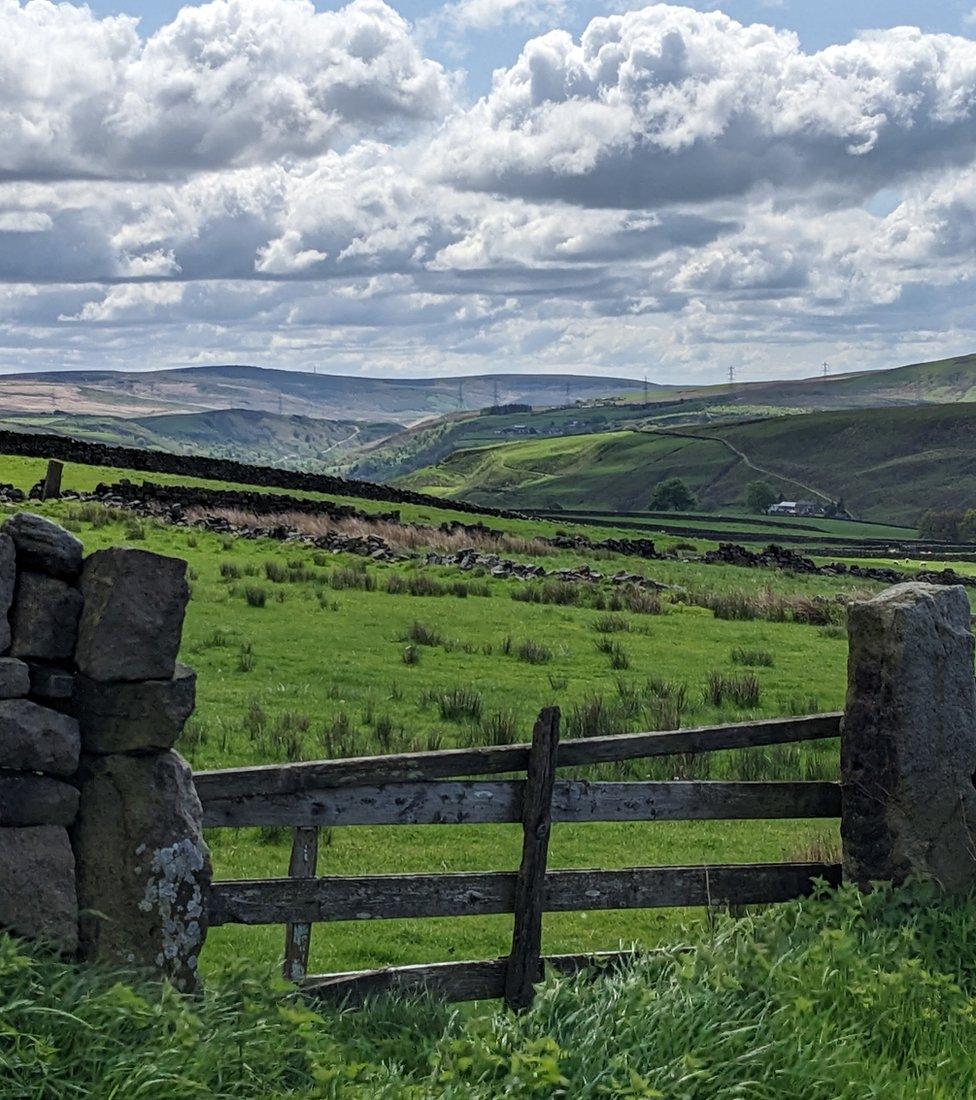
(844, 996)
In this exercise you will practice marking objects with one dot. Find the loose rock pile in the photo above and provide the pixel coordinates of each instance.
(101, 847)
(779, 557)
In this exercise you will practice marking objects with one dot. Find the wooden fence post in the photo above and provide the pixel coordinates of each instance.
(303, 864)
(524, 962)
(51, 487)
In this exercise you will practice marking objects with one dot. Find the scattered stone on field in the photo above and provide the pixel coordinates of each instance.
(134, 717)
(36, 739)
(44, 546)
(908, 750)
(143, 868)
(36, 800)
(44, 617)
(133, 615)
(37, 885)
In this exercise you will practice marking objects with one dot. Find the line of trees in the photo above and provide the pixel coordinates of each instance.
(948, 526)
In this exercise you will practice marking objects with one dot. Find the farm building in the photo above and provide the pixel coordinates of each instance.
(796, 508)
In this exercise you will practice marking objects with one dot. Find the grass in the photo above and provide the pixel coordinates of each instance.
(325, 662)
(340, 656)
(836, 998)
(887, 464)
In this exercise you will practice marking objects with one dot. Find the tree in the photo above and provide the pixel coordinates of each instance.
(967, 526)
(672, 496)
(940, 526)
(760, 496)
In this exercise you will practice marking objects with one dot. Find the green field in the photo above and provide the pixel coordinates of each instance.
(812, 997)
(887, 465)
(320, 671)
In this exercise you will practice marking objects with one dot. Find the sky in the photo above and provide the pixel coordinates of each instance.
(488, 185)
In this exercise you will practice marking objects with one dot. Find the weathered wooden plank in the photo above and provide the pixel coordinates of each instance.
(452, 981)
(286, 779)
(499, 801)
(302, 865)
(530, 881)
(36, 800)
(383, 897)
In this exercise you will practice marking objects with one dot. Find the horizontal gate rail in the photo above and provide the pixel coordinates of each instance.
(450, 981)
(481, 786)
(472, 802)
(290, 779)
(387, 897)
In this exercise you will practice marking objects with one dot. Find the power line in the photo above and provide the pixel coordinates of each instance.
(731, 374)
(826, 368)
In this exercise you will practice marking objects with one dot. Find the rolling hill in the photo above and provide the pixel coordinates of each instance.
(941, 381)
(888, 464)
(331, 396)
(244, 435)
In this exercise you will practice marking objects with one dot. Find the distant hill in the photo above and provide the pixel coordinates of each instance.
(888, 464)
(330, 396)
(941, 381)
(245, 435)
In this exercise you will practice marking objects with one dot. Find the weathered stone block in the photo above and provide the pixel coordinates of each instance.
(143, 868)
(908, 750)
(43, 546)
(37, 885)
(44, 619)
(35, 739)
(51, 682)
(36, 800)
(134, 717)
(134, 607)
(8, 579)
(14, 678)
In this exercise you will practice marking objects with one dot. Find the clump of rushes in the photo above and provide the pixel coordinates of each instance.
(421, 634)
(255, 595)
(753, 658)
(533, 653)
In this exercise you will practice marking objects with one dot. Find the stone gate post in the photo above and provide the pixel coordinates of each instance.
(908, 744)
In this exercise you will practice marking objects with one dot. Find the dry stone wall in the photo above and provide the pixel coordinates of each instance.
(101, 844)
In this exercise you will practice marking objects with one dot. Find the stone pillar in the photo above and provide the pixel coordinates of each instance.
(39, 747)
(143, 867)
(908, 745)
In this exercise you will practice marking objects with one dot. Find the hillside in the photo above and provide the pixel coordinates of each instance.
(301, 393)
(886, 464)
(244, 435)
(941, 381)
